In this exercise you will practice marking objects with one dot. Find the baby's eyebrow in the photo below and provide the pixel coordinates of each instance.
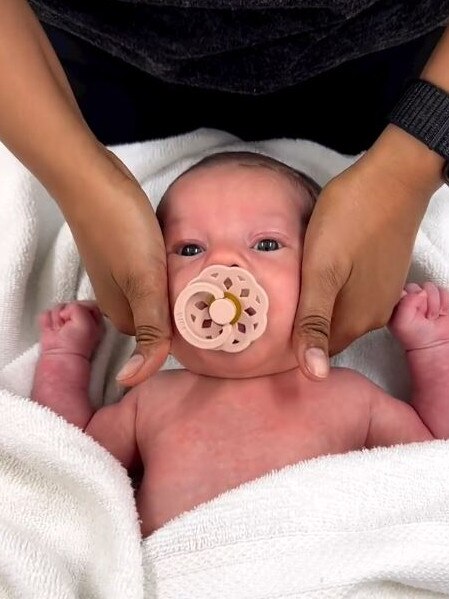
(277, 219)
(176, 224)
(176, 229)
(175, 221)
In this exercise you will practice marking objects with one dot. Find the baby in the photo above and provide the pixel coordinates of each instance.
(232, 417)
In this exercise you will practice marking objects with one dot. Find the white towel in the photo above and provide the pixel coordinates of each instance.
(366, 524)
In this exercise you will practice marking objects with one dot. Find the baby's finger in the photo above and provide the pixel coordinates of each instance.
(433, 300)
(93, 308)
(413, 288)
(77, 313)
(444, 299)
(96, 314)
(407, 309)
(56, 317)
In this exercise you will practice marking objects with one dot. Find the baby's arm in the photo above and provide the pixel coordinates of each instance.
(393, 421)
(69, 335)
(384, 420)
(114, 427)
(421, 323)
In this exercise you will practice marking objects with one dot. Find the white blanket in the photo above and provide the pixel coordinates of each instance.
(366, 524)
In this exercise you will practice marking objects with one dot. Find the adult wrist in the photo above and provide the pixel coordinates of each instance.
(423, 112)
(91, 174)
(400, 155)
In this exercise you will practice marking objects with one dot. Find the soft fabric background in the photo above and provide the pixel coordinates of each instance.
(366, 524)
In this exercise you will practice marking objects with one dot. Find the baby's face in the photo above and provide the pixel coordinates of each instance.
(234, 215)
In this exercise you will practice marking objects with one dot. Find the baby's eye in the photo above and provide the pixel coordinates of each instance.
(267, 245)
(190, 249)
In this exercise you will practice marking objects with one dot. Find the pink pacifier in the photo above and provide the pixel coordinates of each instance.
(224, 308)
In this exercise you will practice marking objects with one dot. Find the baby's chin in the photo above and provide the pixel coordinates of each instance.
(259, 359)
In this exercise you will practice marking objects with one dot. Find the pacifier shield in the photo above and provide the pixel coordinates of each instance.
(224, 308)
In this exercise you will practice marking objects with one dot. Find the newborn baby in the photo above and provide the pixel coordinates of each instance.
(231, 417)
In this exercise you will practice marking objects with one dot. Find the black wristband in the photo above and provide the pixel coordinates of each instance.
(423, 111)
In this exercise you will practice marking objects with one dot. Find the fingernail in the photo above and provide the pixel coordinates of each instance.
(131, 367)
(317, 362)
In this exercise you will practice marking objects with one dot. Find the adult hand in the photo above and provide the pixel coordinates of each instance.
(122, 247)
(358, 246)
(110, 216)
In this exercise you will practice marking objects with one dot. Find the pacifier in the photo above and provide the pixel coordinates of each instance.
(224, 308)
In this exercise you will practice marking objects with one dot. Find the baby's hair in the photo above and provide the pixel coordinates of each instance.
(298, 178)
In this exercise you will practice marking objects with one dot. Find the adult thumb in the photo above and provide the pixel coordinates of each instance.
(313, 323)
(153, 336)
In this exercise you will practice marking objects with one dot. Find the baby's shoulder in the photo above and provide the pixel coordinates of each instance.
(160, 396)
(345, 375)
(347, 379)
(166, 380)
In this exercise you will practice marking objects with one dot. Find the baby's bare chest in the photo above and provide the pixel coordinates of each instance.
(268, 421)
(199, 438)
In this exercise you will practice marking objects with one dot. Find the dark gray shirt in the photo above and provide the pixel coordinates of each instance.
(246, 46)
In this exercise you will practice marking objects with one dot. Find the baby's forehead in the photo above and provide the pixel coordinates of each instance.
(268, 187)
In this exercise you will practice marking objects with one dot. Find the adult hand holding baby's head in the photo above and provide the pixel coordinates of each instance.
(358, 246)
(109, 215)
(121, 243)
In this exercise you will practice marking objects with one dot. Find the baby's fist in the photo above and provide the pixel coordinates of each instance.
(74, 328)
(421, 318)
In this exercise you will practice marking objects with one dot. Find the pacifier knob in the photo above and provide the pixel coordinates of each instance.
(222, 310)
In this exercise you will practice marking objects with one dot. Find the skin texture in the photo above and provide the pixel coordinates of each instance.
(231, 418)
(392, 184)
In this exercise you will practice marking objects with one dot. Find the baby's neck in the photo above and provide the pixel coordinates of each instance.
(243, 381)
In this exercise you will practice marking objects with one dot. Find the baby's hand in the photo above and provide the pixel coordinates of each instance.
(74, 328)
(421, 318)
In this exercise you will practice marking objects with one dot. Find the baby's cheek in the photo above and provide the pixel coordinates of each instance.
(177, 280)
(283, 298)
(180, 273)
